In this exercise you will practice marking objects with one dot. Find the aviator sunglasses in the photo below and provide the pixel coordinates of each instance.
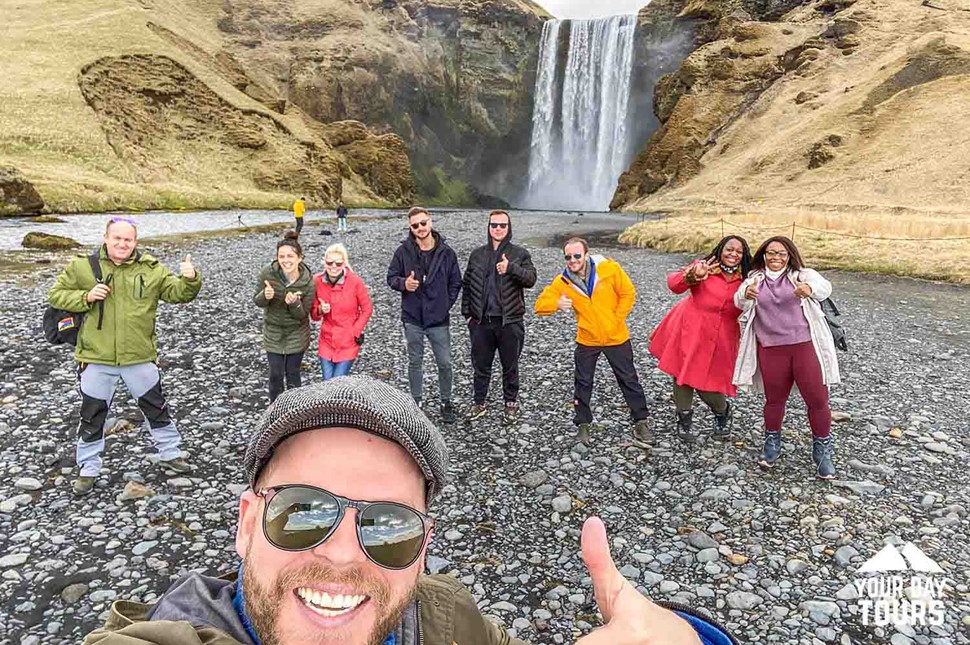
(574, 256)
(298, 518)
(418, 225)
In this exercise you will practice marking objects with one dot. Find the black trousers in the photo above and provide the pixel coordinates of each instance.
(299, 225)
(283, 366)
(488, 336)
(621, 360)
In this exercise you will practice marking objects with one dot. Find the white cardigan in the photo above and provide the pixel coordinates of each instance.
(747, 376)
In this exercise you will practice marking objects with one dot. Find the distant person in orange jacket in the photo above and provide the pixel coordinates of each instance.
(600, 294)
(299, 208)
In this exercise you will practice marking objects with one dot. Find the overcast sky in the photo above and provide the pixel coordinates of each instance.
(591, 8)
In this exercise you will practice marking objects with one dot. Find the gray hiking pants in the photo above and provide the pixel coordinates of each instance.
(97, 385)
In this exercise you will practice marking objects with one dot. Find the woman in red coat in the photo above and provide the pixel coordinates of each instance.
(344, 306)
(697, 342)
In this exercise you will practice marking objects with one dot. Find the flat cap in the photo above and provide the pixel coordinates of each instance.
(351, 402)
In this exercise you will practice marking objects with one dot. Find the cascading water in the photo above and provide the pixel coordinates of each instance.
(579, 123)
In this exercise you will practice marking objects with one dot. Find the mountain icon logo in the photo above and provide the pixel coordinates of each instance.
(911, 558)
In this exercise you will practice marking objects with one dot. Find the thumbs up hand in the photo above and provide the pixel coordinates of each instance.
(291, 297)
(631, 619)
(186, 270)
(503, 265)
(268, 291)
(751, 293)
(411, 283)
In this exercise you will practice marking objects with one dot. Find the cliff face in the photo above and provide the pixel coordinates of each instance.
(212, 103)
(452, 78)
(825, 105)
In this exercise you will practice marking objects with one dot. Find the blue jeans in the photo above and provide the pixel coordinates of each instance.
(330, 369)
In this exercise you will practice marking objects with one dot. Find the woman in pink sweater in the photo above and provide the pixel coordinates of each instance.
(344, 307)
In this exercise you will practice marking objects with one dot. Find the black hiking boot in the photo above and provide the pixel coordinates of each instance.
(724, 423)
(822, 452)
(771, 451)
(448, 413)
(685, 426)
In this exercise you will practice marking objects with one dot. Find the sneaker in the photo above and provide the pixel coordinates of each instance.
(822, 452)
(771, 450)
(724, 423)
(511, 411)
(476, 411)
(447, 412)
(642, 433)
(178, 465)
(685, 426)
(582, 433)
(83, 486)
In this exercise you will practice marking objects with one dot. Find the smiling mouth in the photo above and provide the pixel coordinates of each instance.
(329, 606)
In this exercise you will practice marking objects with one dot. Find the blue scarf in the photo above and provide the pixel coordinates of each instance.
(239, 603)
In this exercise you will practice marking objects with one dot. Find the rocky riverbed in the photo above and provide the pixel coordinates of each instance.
(772, 556)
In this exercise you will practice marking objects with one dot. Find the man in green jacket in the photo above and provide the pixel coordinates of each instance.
(117, 341)
(320, 565)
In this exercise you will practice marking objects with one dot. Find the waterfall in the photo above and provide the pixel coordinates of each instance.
(579, 122)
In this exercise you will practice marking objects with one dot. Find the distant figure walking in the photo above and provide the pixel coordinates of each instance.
(299, 208)
(286, 291)
(343, 306)
(697, 342)
(425, 271)
(493, 304)
(786, 341)
(599, 293)
(341, 217)
(117, 341)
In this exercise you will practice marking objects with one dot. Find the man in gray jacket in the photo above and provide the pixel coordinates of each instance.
(319, 565)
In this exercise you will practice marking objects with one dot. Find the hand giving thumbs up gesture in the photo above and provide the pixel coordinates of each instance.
(186, 269)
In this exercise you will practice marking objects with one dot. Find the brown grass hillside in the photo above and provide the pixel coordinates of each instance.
(858, 126)
(114, 104)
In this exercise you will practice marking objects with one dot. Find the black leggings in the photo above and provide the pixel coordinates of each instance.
(280, 366)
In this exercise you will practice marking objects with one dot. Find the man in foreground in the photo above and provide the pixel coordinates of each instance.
(600, 294)
(425, 270)
(117, 341)
(319, 565)
(493, 303)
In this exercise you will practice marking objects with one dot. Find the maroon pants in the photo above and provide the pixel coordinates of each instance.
(787, 365)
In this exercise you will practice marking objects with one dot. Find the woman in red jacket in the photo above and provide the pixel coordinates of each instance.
(697, 342)
(344, 306)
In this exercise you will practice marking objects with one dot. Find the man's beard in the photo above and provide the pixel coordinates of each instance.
(263, 605)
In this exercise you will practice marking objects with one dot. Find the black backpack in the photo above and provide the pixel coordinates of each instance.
(832, 315)
(61, 326)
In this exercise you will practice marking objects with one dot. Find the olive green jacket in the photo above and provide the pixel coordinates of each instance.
(127, 333)
(198, 611)
(286, 328)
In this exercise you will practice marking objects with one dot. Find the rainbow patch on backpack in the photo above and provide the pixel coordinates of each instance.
(65, 324)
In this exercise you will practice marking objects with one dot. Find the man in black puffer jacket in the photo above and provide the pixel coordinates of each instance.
(494, 306)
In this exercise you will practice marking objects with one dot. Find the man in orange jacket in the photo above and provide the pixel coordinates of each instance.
(601, 296)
